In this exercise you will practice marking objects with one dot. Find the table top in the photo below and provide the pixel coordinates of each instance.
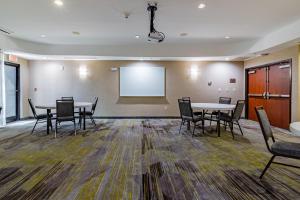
(213, 106)
(76, 105)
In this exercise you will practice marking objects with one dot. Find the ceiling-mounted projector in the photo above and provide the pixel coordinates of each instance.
(154, 35)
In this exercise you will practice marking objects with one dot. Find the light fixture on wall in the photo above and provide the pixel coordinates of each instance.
(202, 5)
(59, 3)
(194, 72)
(83, 72)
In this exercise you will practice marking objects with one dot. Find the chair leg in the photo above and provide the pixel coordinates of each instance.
(240, 127)
(180, 126)
(231, 129)
(194, 129)
(79, 121)
(75, 126)
(55, 129)
(93, 121)
(225, 125)
(203, 123)
(210, 120)
(267, 166)
(51, 125)
(34, 126)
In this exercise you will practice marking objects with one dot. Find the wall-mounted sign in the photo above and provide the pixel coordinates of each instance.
(232, 80)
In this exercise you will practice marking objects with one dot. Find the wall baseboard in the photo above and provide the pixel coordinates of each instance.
(26, 118)
(123, 117)
(137, 117)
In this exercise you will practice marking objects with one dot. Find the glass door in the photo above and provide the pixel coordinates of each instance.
(11, 71)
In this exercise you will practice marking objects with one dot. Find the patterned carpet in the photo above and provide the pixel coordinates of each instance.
(142, 159)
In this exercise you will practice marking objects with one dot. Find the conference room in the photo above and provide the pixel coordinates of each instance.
(149, 100)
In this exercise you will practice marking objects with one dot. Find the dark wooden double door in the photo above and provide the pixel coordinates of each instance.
(270, 86)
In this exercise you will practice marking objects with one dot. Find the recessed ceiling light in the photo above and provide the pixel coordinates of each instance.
(227, 37)
(59, 2)
(76, 33)
(43, 36)
(202, 5)
(183, 34)
(137, 37)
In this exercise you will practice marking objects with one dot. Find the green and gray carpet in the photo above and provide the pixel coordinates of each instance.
(142, 159)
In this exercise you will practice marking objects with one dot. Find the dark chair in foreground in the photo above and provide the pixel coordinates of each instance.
(90, 114)
(187, 114)
(281, 148)
(234, 117)
(39, 118)
(64, 113)
(222, 100)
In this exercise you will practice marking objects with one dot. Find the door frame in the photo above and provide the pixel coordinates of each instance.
(18, 92)
(287, 61)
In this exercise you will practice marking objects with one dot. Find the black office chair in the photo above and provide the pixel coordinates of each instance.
(187, 114)
(64, 113)
(281, 148)
(234, 118)
(39, 118)
(90, 114)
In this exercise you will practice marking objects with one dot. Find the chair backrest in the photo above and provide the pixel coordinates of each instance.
(264, 124)
(186, 98)
(185, 108)
(64, 108)
(32, 108)
(94, 105)
(238, 110)
(67, 98)
(225, 100)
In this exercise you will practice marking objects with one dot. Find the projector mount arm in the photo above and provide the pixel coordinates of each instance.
(154, 34)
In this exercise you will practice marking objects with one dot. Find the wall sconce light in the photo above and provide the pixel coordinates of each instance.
(83, 72)
(194, 72)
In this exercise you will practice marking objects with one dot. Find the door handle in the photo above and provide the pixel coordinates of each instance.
(279, 95)
(255, 95)
(274, 95)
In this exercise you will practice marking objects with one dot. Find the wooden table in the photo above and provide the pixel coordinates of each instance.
(213, 107)
(80, 105)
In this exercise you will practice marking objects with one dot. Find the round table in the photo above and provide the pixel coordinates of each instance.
(49, 107)
(213, 107)
(295, 128)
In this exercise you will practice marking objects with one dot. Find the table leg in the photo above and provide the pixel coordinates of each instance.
(188, 125)
(48, 120)
(80, 118)
(218, 123)
(84, 118)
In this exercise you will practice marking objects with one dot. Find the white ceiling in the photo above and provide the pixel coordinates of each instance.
(101, 22)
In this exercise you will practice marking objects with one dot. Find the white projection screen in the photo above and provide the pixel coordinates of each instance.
(142, 81)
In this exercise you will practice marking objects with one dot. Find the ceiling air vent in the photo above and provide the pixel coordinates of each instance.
(6, 31)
